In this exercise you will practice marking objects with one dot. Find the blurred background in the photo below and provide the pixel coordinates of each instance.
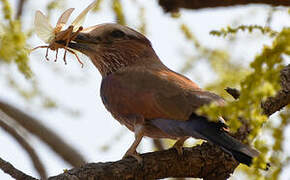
(66, 98)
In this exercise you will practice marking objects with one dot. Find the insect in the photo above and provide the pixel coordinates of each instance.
(52, 36)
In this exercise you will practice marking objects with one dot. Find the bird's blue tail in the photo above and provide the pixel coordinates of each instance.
(199, 127)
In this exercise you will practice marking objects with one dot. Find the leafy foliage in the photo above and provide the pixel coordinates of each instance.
(229, 30)
(262, 82)
(13, 42)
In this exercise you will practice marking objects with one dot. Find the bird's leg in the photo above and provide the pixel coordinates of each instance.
(132, 150)
(179, 144)
(139, 133)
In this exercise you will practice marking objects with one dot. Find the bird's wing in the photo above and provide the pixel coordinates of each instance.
(199, 127)
(153, 94)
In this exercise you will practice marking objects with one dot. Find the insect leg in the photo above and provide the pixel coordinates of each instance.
(74, 35)
(82, 64)
(64, 56)
(39, 47)
(46, 54)
(68, 39)
(56, 55)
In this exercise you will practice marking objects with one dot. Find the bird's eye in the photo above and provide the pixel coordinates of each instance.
(117, 34)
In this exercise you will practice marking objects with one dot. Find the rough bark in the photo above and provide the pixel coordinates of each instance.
(13, 172)
(200, 161)
(282, 98)
(175, 5)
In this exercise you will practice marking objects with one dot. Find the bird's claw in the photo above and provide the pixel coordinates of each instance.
(178, 148)
(134, 155)
(179, 144)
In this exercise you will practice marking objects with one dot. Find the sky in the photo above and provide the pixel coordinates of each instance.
(76, 89)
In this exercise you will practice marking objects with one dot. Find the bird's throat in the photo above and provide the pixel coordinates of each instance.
(113, 59)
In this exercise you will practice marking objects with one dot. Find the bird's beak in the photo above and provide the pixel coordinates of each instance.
(83, 43)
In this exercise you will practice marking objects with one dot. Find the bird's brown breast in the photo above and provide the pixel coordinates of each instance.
(151, 93)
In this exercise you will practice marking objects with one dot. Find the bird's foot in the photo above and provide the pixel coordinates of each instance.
(178, 146)
(135, 155)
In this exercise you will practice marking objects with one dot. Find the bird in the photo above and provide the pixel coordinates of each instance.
(147, 97)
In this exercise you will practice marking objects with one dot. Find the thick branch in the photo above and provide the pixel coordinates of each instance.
(200, 162)
(11, 170)
(58, 145)
(175, 5)
(282, 98)
(26, 146)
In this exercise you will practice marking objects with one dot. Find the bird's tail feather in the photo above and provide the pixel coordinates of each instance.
(199, 127)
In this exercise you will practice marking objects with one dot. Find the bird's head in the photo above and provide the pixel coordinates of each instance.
(113, 46)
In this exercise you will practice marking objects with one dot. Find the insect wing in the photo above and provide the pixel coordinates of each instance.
(42, 27)
(81, 18)
(63, 19)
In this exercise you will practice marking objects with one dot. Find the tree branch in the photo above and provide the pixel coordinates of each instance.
(20, 8)
(233, 92)
(32, 154)
(282, 98)
(58, 145)
(200, 162)
(13, 172)
(175, 5)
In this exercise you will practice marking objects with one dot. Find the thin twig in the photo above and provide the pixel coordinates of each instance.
(20, 8)
(233, 92)
(32, 154)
